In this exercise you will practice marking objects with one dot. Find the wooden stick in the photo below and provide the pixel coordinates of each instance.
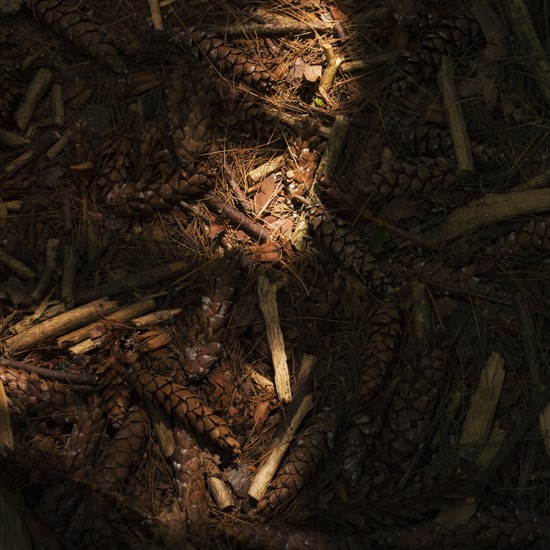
(221, 493)
(156, 317)
(536, 57)
(283, 28)
(266, 169)
(52, 248)
(38, 146)
(91, 344)
(58, 147)
(6, 432)
(124, 314)
(270, 310)
(370, 63)
(50, 374)
(459, 132)
(278, 448)
(70, 259)
(10, 139)
(329, 74)
(156, 15)
(237, 218)
(261, 380)
(335, 145)
(133, 282)
(34, 93)
(16, 266)
(58, 107)
(162, 425)
(60, 325)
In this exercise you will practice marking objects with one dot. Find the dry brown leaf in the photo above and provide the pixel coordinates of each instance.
(300, 69)
(269, 252)
(265, 193)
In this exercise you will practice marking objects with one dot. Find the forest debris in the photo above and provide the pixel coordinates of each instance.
(37, 147)
(52, 248)
(58, 147)
(58, 107)
(461, 140)
(36, 90)
(14, 535)
(334, 147)
(156, 15)
(156, 317)
(97, 328)
(542, 179)
(281, 27)
(60, 325)
(387, 58)
(484, 402)
(266, 169)
(16, 266)
(261, 380)
(277, 449)
(237, 218)
(50, 374)
(270, 310)
(11, 139)
(491, 208)
(221, 493)
(162, 427)
(534, 56)
(70, 259)
(544, 425)
(131, 283)
(329, 74)
(6, 433)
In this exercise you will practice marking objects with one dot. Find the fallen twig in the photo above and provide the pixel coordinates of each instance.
(133, 282)
(156, 15)
(10, 139)
(60, 324)
(371, 62)
(36, 90)
(270, 310)
(52, 247)
(221, 493)
(237, 218)
(461, 140)
(16, 266)
(50, 374)
(70, 259)
(335, 145)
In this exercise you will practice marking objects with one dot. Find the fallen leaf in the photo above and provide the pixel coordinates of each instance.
(265, 193)
(269, 252)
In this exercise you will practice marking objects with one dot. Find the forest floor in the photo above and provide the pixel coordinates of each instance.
(274, 274)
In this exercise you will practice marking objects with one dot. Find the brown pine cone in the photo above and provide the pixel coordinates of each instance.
(115, 394)
(409, 423)
(384, 333)
(65, 19)
(271, 537)
(301, 165)
(208, 322)
(226, 58)
(122, 453)
(324, 286)
(80, 448)
(337, 235)
(533, 238)
(192, 113)
(29, 393)
(307, 453)
(116, 160)
(190, 482)
(186, 407)
(147, 197)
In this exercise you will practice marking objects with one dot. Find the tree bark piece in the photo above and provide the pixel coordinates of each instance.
(278, 448)
(461, 141)
(221, 493)
(535, 56)
(16, 266)
(36, 91)
(70, 260)
(52, 248)
(156, 15)
(270, 310)
(266, 169)
(489, 209)
(335, 146)
(144, 279)
(50, 374)
(60, 325)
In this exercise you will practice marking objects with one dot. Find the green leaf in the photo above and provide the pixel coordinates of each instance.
(318, 102)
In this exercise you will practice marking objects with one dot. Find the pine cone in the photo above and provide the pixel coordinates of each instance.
(190, 482)
(122, 452)
(384, 333)
(270, 537)
(116, 160)
(79, 450)
(115, 394)
(208, 323)
(78, 28)
(185, 406)
(147, 197)
(192, 114)
(337, 235)
(324, 286)
(533, 238)
(409, 417)
(301, 166)
(29, 393)
(308, 452)
(227, 59)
